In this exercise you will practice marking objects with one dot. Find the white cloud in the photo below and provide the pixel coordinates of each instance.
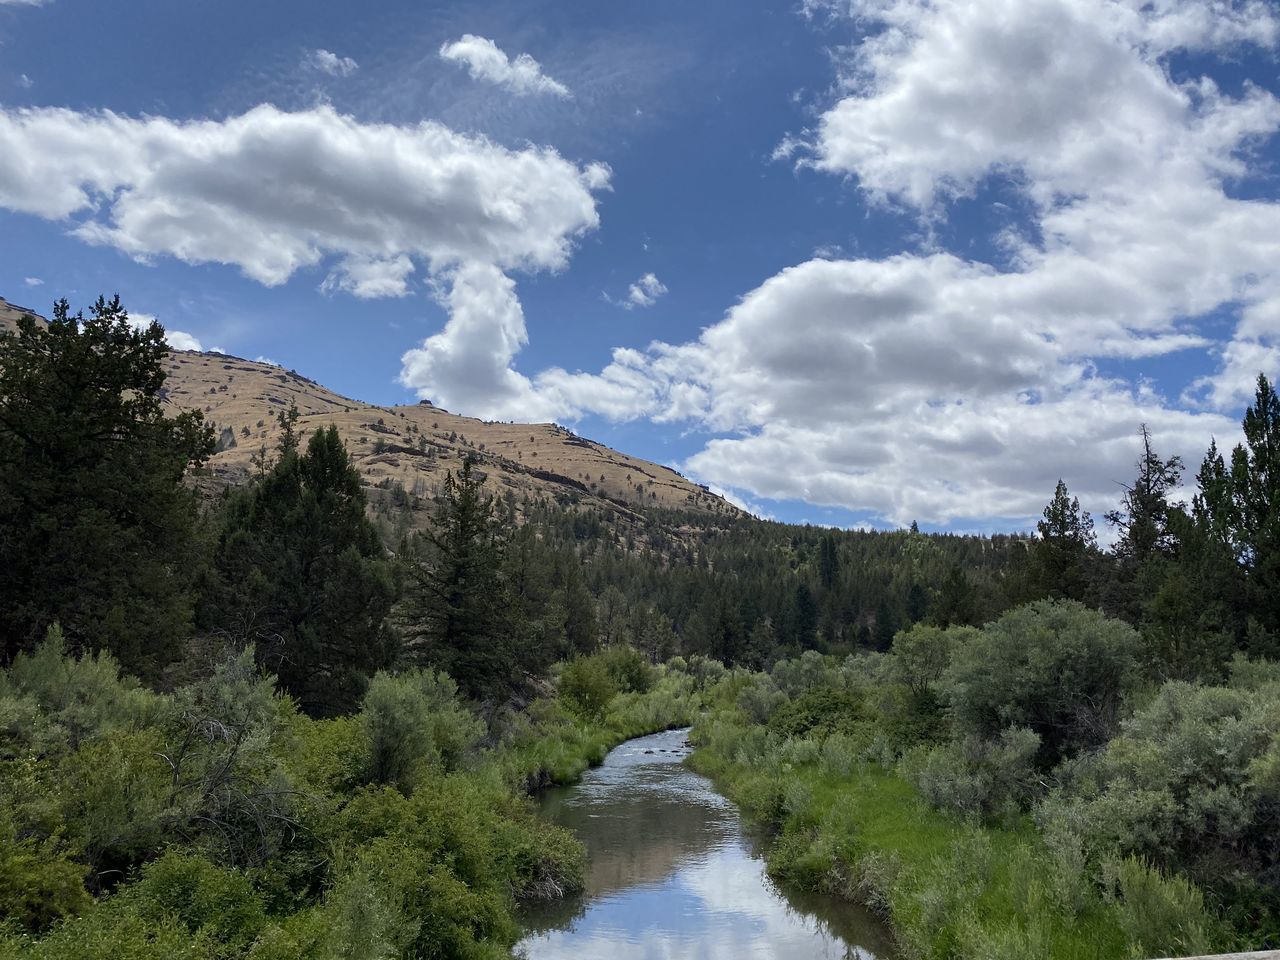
(927, 386)
(467, 366)
(33, 281)
(644, 292)
(25, 82)
(22, 3)
(177, 339)
(486, 61)
(371, 277)
(274, 192)
(267, 360)
(332, 64)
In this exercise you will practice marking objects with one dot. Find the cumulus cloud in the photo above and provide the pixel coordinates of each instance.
(176, 339)
(332, 64)
(929, 386)
(274, 192)
(644, 292)
(467, 365)
(33, 281)
(486, 61)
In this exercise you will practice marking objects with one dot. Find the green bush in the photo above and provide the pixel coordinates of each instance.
(1058, 668)
(38, 883)
(587, 686)
(629, 669)
(413, 721)
(977, 777)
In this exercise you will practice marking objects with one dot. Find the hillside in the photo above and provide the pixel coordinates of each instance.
(413, 446)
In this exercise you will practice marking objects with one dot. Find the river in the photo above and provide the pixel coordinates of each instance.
(673, 874)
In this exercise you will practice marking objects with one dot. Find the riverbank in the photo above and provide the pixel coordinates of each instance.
(949, 888)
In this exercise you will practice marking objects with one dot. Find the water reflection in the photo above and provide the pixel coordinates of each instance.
(673, 875)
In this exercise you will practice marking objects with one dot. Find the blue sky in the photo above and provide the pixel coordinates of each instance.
(864, 261)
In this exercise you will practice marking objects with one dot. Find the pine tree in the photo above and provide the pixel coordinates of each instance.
(1239, 505)
(96, 525)
(300, 572)
(460, 604)
(1062, 558)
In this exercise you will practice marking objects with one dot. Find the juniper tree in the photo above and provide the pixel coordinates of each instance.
(96, 525)
(300, 572)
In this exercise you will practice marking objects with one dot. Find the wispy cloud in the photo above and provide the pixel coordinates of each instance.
(644, 292)
(332, 64)
(486, 61)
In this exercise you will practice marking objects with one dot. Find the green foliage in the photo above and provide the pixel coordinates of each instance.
(414, 722)
(39, 883)
(96, 526)
(459, 604)
(629, 669)
(1060, 561)
(1160, 916)
(300, 573)
(1057, 668)
(587, 686)
(817, 713)
(977, 777)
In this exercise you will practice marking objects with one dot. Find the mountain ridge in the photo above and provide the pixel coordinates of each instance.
(410, 446)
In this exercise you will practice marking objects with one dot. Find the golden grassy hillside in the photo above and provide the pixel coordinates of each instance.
(412, 446)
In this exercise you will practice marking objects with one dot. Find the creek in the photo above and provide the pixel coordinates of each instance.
(673, 873)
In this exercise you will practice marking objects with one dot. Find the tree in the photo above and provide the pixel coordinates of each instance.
(1143, 519)
(828, 562)
(460, 604)
(1240, 505)
(1061, 558)
(300, 572)
(96, 525)
(957, 601)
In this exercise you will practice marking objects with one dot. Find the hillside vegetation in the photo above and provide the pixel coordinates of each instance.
(277, 719)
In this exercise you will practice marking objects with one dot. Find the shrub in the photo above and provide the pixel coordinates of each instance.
(38, 883)
(414, 721)
(629, 669)
(818, 712)
(978, 777)
(1058, 668)
(587, 686)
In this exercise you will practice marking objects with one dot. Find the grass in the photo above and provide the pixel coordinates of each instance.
(948, 888)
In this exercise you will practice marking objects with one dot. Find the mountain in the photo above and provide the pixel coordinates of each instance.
(412, 447)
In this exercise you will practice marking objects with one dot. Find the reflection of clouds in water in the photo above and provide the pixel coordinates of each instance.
(672, 874)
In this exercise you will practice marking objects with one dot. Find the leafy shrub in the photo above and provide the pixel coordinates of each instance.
(1160, 916)
(1190, 784)
(1058, 668)
(629, 669)
(978, 777)
(587, 686)
(413, 721)
(208, 900)
(38, 883)
(818, 712)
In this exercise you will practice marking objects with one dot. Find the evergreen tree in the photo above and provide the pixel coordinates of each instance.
(1240, 505)
(461, 602)
(1143, 519)
(828, 562)
(1062, 558)
(1146, 538)
(957, 602)
(300, 572)
(96, 526)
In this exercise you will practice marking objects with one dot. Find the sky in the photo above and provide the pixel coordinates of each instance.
(849, 262)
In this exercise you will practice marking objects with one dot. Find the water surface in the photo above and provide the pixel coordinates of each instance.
(673, 874)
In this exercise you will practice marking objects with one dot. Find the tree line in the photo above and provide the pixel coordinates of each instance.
(100, 534)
